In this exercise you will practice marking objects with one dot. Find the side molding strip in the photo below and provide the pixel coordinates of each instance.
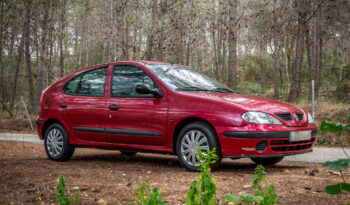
(117, 131)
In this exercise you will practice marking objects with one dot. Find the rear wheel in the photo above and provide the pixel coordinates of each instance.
(128, 153)
(192, 136)
(57, 145)
(267, 161)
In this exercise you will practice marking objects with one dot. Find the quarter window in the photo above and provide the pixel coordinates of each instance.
(125, 79)
(90, 83)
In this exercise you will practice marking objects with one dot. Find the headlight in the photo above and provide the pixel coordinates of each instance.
(311, 119)
(260, 118)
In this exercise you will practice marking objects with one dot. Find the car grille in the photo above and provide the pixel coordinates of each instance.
(300, 116)
(286, 145)
(285, 116)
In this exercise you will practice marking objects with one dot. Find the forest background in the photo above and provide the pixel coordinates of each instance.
(270, 48)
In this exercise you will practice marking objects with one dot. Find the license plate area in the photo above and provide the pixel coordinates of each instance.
(299, 136)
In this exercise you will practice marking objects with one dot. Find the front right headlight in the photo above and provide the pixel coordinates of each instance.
(260, 118)
(311, 119)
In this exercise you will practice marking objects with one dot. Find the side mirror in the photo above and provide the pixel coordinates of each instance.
(146, 89)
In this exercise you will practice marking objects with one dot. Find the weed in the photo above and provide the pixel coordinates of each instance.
(265, 193)
(147, 195)
(75, 199)
(204, 190)
(61, 194)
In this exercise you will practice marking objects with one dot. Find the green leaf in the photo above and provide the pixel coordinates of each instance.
(333, 189)
(257, 198)
(231, 198)
(345, 186)
(340, 164)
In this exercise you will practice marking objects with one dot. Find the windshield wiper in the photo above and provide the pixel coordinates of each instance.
(222, 90)
(192, 88)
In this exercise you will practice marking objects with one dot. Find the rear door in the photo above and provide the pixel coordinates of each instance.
(134, 118)
(83, 105)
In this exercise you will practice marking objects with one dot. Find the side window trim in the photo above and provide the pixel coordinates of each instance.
(111, 89)
(80, 77)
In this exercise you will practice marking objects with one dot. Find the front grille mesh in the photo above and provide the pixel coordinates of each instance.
(285, 116)
(286, 145)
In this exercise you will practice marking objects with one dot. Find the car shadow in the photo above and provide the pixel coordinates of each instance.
(163, 161)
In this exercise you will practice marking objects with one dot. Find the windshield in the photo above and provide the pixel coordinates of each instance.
(181, 78)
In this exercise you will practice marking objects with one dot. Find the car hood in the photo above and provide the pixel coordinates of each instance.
(254, 103)
(251, 103)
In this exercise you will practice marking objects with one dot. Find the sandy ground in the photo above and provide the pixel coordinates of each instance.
(26, 173)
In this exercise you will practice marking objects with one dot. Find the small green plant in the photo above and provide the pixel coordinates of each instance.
(340, 164)
(61, 194)
(75, 198)
(265, 193)
(147, 195)
(204, 190)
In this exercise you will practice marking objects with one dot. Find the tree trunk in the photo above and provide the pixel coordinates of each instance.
(2, 83)
(42, 55)
(62, 23)
(150, 37)
(232, 44)
(276, 55)
(27, 43)
(295, 89)
(262, 66)
(18, 64)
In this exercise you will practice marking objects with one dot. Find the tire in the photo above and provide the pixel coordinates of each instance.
(267, 161)
(56, 137)
(128, 153)
(206, 135)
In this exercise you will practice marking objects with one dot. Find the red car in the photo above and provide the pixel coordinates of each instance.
(136, 106)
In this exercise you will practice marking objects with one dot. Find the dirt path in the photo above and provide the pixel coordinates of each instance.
(26, 172)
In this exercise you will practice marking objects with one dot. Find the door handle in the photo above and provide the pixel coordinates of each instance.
(113, 107)
(63, 105)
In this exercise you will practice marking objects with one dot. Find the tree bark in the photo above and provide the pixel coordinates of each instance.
(276, 55)
(18, 64)
(2, 83)
(232, 44)
(295, 89)
(262, 65)
(42, 55)
(62, 23)
(150, 37)
(27, 43)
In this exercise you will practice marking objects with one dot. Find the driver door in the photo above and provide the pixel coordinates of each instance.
(133, 118)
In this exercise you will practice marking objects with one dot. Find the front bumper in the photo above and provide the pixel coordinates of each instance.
(263, 141)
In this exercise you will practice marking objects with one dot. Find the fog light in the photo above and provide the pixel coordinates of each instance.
(261, 146)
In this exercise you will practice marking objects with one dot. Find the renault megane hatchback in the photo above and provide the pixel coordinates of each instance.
(136, 106)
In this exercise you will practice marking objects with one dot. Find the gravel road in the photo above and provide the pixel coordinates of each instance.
(319, 154)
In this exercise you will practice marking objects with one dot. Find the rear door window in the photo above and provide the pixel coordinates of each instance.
(90, 83)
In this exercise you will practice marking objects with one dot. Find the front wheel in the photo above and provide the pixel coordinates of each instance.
(267, 161)
(57, 145)
(192, 136)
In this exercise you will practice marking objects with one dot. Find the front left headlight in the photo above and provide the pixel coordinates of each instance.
(311, 119)
(260, 118)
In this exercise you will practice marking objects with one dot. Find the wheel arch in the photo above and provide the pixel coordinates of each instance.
(48, 123)
(187, 121)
